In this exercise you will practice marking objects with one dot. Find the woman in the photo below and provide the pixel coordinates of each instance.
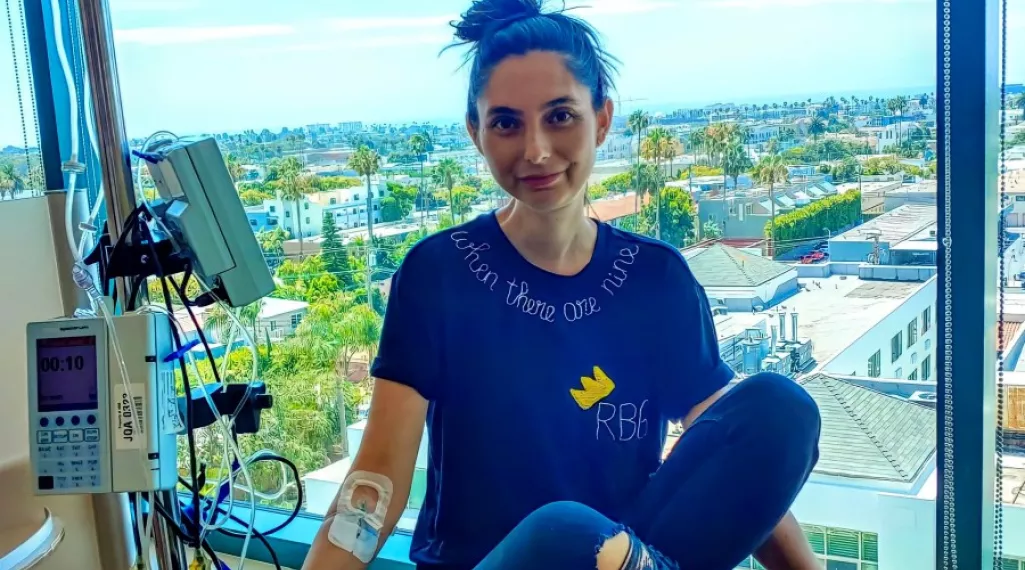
(547, 353)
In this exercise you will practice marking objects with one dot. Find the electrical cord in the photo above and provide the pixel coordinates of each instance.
(269, 457)
(183, 535)
(260, 536)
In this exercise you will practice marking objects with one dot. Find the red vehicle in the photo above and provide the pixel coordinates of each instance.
(813, 257)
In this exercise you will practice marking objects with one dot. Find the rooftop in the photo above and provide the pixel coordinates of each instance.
(870, 435)
(834, 312)
(724, 266)
(613, 208)
(894, 226)
(918, 188)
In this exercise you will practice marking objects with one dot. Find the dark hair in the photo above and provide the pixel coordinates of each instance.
(497, 29)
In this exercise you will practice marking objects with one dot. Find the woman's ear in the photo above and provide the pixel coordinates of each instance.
(605, 115)
(474, 134)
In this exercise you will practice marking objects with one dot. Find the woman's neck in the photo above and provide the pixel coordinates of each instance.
(561, 242)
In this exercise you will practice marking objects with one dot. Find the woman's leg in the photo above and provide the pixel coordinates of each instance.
(570, 536)
(732, 476)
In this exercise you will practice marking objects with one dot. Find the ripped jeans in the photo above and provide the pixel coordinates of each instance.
(725, 486)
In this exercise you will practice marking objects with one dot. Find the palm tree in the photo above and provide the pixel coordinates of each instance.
(638, 122)
(697, 141)
(735, 161)
(9, 179)
(366, 163)
(235, 169)
(419, 143)
(772, 170)
(897, 105)
(446, 173)
(648, 180)
(660, 145)
(816, 128)
(218, 321)
(294, 186)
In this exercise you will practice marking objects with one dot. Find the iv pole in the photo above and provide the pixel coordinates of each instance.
(111, 512)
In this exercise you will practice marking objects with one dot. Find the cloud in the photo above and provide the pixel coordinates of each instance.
(384, 23)
(436, 40)
(601, 7)
(193, 35)
(748, 4)
(153, 5)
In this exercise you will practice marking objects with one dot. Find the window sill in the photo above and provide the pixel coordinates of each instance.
(293, 542)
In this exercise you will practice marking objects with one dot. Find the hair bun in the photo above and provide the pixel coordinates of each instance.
(486, 17)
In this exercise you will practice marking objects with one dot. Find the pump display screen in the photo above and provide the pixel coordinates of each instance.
(66, 373)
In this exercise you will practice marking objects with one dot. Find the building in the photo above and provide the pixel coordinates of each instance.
(922, 193)
(350, 127)
(743, 214)
(893, 133)
(617, 147)
(875, 240)
(899, 343)
(348, 207)
(735, 280)
(278, 319)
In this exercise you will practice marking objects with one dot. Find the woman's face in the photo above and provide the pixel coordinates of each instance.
(539, 131)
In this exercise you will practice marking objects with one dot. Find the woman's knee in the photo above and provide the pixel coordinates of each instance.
(785, 407)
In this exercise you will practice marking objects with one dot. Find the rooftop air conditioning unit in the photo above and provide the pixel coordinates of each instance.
(923, 397)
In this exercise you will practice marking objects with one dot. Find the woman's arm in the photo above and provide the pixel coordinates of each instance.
(787, 548)
(389, 447)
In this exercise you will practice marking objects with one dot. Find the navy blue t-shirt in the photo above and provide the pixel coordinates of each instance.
(542, 387)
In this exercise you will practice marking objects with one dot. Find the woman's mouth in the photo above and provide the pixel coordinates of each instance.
(541, 182)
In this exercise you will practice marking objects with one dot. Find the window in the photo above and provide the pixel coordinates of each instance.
(837, 549)
(21, 162)
(271, 208)
(296, 319)
(913, 376)
(926, 367)
(896, 347)
(875, 368)
(845, 316)
(912, 333)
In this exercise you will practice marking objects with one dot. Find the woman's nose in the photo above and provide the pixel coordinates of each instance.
(538, 147)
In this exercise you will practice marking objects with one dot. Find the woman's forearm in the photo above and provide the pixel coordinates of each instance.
(787, 548)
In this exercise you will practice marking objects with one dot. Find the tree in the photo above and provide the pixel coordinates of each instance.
(254, 197)
(846, 170)
(638, 122)
(272, 242)
(235, 168)
(418, 145)
(830, 214)
(711, 230)
(897, 106)
(223, 326)
(674, 216)
(816, 128)
(696, 140)
(621, 182)
(881, 165)
(446, 173)
(294, 186)
(735, 161)
(335, 255)
(463, 197)
(772, 170)
(366, 163)
(399, 202)
(597, 191)
(658, 146)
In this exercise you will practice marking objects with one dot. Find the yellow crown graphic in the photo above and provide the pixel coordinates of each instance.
(594, 389)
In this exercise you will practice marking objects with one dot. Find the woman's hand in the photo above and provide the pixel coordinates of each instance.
(787, 548)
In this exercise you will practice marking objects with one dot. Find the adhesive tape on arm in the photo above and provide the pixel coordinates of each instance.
(353, 529)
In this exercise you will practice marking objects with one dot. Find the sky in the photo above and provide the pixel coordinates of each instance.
(200, 66)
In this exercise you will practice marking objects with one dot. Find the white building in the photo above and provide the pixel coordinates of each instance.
(617, 147)
(347, 206)
(893, 134)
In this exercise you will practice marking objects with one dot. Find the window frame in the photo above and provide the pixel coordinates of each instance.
(967, 95)
(897, 346)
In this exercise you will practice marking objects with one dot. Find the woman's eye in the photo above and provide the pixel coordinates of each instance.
(561, 117)
(503, 124)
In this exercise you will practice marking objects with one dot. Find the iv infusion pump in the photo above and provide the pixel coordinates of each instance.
(89, 434)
